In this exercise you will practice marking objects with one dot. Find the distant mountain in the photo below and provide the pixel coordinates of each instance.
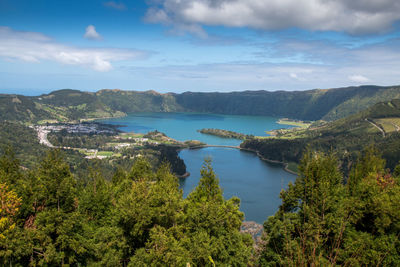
(377, 126)
(315, 104)
(67, 104)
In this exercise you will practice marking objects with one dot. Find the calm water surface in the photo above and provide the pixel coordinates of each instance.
(240, 173)
(184, 126)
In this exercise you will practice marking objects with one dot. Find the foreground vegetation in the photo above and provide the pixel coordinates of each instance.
(327, 219)
(139, 218)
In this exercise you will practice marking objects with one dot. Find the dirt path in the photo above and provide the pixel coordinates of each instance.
(396, 126)
(378, 127)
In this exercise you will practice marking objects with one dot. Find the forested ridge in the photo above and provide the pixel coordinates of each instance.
(73, 105)
(375, 126)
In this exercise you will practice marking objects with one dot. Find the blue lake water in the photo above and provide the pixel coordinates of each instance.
(243, 174)
(184, 126)
(240, 174)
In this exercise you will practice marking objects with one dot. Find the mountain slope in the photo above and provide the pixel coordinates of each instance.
(67, 104)
(379, 125)
(305, 105)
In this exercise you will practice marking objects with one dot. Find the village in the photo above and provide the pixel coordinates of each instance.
(118, 140)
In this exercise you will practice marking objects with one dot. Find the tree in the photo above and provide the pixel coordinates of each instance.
(307, 229)
(205, 232)
(152, 199)
(10, 203)
(323, 222)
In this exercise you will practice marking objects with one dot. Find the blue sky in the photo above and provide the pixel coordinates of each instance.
(197, 45)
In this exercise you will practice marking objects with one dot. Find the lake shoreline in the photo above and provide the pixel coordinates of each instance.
(276, 120)
(285, 164)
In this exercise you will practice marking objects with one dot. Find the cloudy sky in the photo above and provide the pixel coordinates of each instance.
(198, 45)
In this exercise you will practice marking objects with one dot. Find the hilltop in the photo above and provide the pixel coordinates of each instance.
(318, 104)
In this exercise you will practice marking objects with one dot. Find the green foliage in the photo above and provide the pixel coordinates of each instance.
(23, 141)
(304, 105)
(346, 136)
(323, 222)
(224, 133)
(139, 218)
(205, 232)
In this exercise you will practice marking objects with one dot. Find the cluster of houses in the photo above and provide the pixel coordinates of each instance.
(77, 128)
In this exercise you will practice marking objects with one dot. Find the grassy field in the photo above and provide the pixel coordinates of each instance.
(105, 153)
(293, 166)
(286, 133)
(86, 152)
(389, 124)
(296, 123)
(132, 135)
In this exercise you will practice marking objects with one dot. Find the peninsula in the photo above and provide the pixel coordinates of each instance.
(225, 133)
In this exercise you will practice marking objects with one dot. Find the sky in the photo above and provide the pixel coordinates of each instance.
(197, 45)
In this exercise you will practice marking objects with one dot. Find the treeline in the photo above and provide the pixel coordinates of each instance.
(140, 218)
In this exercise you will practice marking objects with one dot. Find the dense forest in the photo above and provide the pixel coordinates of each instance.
(139, 217)
(73, 105)
(327, 219)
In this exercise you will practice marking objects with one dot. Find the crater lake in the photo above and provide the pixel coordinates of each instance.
(243, 174)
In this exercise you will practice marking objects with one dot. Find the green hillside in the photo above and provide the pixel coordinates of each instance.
(379, 126)
(69, 105)
(133, 101)
(23, 141)
(20, 108)
(305, 105)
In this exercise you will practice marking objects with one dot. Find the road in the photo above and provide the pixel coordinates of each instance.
(378, 127)
(42, 134)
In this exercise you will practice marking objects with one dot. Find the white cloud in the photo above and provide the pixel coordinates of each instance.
(329, 66)
(35, 47)
(115, 5)
(358, 78)
(91, 33)
(160, 16)
(355, 17)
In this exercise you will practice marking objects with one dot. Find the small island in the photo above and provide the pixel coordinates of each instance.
(225, 133)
